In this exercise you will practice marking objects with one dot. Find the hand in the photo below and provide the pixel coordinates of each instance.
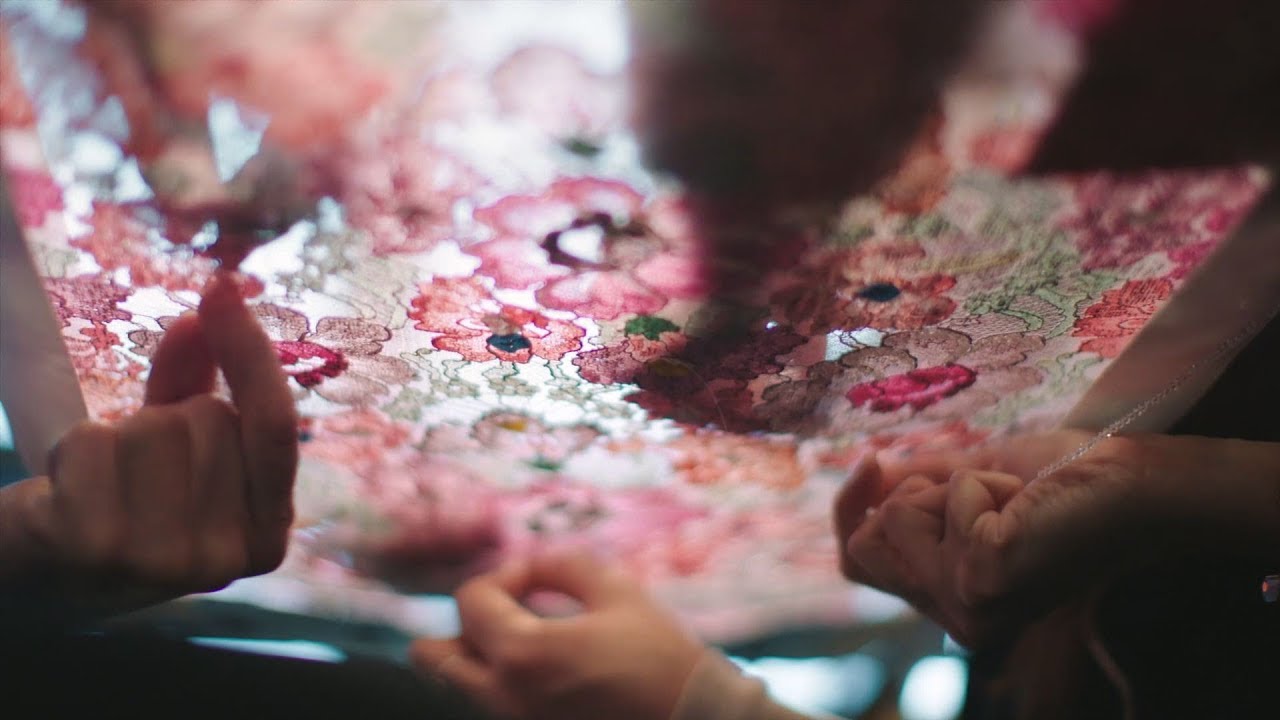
(622, 657)
(187, 495)
(967, 540)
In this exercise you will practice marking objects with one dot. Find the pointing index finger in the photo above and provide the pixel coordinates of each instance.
(268, 420)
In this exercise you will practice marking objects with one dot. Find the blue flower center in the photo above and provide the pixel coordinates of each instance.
(512, 343)
(880, 292)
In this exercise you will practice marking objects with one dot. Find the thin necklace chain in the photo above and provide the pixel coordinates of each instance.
(1219, 353)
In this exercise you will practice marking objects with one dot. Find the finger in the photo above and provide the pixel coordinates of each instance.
(870, 557)
(870, 560)
(450, 661)
(861, 491)
(913, 525)
(490, 611)
(183, 365)
(218, 492)
(583, 578)
(937, 466)
(973, 493)
(268, 420)
(154, 460)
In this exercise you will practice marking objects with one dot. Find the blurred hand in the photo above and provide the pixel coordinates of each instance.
(622, 657)
(969, 542)
(187, 495)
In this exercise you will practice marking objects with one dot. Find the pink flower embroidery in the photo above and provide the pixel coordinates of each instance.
(118, 241)
(1120, 313)
(400, 189)
(95, 299)
(340, 361)
(473, 324)
(634, 270)
(292, 61)
(551, 88)
(1118, 221)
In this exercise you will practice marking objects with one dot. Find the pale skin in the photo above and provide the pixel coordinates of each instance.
(963, 536)
(187, 495)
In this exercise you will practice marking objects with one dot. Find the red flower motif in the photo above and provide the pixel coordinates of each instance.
(341, 361)
(473, 324)
(1119, 221)
(308, 363)
(34, 195)
(635, 268)
(1119, 315)
(918, 388)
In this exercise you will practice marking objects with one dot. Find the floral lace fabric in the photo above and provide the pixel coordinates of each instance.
(498, 323)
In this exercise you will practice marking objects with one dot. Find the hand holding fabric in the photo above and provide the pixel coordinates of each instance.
(623, 656)
(187, 495)
(971, 543)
